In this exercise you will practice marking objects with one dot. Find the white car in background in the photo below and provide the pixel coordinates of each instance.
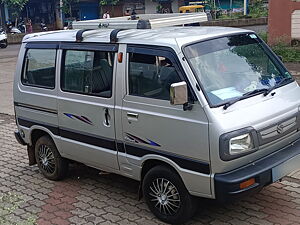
(3, 38)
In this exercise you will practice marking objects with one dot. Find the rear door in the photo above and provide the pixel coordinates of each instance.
(86, 104)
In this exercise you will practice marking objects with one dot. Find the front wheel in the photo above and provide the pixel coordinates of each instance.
(48, 159)
(167, 197)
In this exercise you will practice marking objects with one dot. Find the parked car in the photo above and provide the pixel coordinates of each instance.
(188, 112)
(3, 38)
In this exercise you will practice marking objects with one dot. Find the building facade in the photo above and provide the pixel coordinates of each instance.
(284, 21)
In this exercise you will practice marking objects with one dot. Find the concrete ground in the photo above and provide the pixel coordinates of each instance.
(8, 59)
(89, 197)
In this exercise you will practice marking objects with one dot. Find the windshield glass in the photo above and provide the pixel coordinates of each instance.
(230, 67)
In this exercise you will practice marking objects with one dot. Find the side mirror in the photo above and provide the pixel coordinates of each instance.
(280, 57)
(179, 93)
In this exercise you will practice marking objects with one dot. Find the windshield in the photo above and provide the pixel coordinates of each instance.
(230, 67)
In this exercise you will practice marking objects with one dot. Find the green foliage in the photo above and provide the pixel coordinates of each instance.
(9, 203)
(67, 6)
(108, 2)
(263, 36)
(288, 53)
(16, 6)
(257, 9)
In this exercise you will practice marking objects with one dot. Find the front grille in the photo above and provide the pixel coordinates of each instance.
(278, 130)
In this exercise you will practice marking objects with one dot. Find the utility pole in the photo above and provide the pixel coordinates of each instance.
(245, 7)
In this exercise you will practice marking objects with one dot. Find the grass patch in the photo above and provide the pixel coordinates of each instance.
(288, 53)
(9, 203)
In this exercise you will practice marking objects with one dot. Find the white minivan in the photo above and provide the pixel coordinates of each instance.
(187, 111)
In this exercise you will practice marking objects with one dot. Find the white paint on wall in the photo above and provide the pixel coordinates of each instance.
(296, 24)
(150, 6)
(175, 6)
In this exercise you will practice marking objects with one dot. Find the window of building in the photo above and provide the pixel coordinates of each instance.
(39, 68)
(151, 76)
(87, 72)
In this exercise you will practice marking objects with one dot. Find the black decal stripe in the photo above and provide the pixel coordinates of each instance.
(42, 109)
(185, 163)
(88, 139)
(84, 138)
(120, 146)
(29, 123)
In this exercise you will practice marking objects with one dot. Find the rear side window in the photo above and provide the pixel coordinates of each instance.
(39, 68)
(88, 72)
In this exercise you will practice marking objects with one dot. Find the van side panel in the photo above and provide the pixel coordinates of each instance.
(35, 107)
(163, 133)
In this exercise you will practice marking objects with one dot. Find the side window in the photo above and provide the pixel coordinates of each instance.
(87, 72)
(151, 76)
(39, 68)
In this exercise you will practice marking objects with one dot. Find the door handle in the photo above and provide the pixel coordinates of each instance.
(132, 117)
(106, 117)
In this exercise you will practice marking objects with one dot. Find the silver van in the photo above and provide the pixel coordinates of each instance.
(187, 111)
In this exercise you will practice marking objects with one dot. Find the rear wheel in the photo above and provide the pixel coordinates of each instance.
(49, 161)
(167, 197)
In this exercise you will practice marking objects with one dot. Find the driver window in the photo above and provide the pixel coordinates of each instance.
(151, 76)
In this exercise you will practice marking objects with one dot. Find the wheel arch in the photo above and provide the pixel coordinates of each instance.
(150, 163)
(38, 131)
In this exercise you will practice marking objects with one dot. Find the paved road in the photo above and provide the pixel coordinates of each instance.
(87, 197)
(8, 59)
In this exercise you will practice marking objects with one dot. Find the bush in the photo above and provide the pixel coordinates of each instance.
(288, 53)
(258, 9)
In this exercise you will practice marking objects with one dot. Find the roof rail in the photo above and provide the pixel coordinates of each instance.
(143, 21)
(83, 33)
(113, 35)
(79, 34)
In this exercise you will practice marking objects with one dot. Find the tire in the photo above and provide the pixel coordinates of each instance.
(176, 206)
(3, 44)
(48, 159)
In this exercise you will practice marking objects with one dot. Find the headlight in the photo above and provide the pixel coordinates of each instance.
(238, 143)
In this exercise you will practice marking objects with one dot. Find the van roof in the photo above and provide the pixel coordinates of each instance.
(167, 36)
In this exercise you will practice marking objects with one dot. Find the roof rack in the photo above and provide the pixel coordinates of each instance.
(86, 32)
(142, 21)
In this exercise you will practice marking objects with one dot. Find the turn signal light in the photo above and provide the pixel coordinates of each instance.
(247, 183)
(120, 57)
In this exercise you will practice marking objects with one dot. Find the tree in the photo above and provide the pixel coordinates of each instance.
(16, 6)
(67, 6)
(109, 2)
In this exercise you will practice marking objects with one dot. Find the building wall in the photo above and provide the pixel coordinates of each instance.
(150, 6)
(280, 24)
(175, 5)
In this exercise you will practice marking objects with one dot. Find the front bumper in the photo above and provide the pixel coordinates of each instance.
(265, 171)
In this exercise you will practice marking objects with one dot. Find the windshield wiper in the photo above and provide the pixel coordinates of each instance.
(248, 94)
(283, 80)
